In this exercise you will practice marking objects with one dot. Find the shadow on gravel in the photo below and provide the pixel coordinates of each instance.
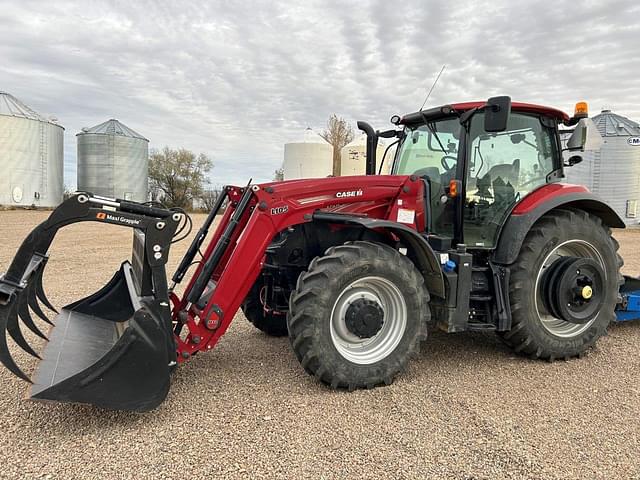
(632, 327)
(252, 358)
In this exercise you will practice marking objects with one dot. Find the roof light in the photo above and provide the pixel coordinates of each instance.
(581, 110)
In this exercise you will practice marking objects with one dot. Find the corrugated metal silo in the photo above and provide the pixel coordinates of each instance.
(113, 161)
(31, 156)
(613, 171)
(311, 157)
(353, 157)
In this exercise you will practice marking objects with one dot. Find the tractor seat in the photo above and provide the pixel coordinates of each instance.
(507, 172)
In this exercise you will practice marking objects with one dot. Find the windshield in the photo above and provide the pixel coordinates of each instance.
(428, 147)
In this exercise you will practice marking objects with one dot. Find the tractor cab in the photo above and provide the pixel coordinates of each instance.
(478, 160)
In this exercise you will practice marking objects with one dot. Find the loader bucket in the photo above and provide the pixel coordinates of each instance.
(114, 348)
(108, 349)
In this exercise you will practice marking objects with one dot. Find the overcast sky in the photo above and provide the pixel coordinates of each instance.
(236, 80)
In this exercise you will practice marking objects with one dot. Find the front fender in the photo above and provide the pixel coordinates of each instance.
(538, 203)
(426, 259)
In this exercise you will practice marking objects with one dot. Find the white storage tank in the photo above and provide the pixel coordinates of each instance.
(31, 156)
(613, 171)
(113, 161)
(310, 157)
(353, 157)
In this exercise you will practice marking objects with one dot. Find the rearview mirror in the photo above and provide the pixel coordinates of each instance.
(496, 114)
(574, 160)
(585, 136)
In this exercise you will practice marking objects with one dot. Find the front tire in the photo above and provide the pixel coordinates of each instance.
(272, 323)
(556, 238)
(358, 315)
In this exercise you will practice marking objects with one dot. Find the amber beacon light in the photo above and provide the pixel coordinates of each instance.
(581, 110)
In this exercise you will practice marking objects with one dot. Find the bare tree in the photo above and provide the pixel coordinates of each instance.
(177, 177)
(208, 198)
(338, 134)
(278, 175)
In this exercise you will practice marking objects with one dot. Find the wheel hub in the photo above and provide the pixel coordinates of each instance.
(364, 318)
(573, 289)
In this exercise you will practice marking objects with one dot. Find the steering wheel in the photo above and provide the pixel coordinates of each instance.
(445, 165)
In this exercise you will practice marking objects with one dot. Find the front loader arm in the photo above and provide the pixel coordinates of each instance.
(235, 256)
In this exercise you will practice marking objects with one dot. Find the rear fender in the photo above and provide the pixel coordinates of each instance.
(425, 258)
(542, 201)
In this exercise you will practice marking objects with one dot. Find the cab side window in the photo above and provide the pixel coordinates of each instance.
(503, 168)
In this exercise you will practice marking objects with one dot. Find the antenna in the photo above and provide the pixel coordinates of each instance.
(433, 86)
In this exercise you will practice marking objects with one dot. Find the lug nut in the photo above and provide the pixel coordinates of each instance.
(160, 225)
(196, 339)
(186, 355)
(157, 248)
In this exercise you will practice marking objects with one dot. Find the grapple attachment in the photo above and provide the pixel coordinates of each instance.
(114, 348)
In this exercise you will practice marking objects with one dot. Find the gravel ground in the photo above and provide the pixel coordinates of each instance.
(467, 408)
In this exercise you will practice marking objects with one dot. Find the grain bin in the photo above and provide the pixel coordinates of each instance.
(353, 157)
(310, 157)
(613, 171)
(113, 161)
(31, 156)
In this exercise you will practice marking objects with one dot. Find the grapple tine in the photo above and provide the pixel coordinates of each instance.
(13, 327)
(5, 356)
(23, 311)
(30, 292)
(40, 289)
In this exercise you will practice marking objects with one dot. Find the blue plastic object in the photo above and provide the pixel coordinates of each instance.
(449, 266)
(630, 307)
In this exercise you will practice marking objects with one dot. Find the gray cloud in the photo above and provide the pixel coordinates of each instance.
(238, 79)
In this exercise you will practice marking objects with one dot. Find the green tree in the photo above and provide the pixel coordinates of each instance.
(278, 175)
(177, 177)
(338, 134)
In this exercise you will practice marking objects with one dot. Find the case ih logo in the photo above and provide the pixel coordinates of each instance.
(113, 218)
(635, 141)
(351, 193)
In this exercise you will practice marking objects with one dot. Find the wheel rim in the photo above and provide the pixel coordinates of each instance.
(389, 298)
(557, 326)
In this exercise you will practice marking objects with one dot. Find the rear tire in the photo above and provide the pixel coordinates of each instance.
(358, 315)
(268, 322)
(562, 233)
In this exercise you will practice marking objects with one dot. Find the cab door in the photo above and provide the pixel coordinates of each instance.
(502, 168)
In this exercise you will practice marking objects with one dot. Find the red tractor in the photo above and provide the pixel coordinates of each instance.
(473, 231)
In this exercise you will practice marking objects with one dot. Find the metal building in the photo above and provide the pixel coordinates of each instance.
(353, 157)
(613, 171)
(113, 161)
(311, 157)
(31, 156)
